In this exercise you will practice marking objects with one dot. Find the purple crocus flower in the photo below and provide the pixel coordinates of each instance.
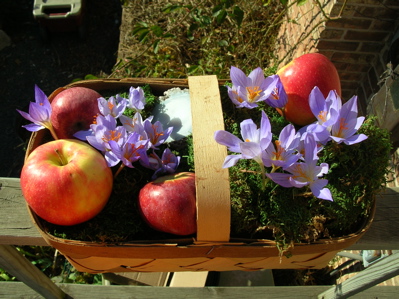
(254, 142)
(320, 133)
(345, 128)
(278, 98)
(39, 113)
(325, 110)
(135, 124)
(155, 132)
(136, 99)
(306, 173)
(283, 153)
(167, 164)
(246, 91)
(131, 150)
(104, 131)
(114, 106)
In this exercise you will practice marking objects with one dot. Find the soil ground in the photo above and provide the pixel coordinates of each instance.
(50, 64)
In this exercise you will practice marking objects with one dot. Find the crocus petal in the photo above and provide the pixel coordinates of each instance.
(238, 77)
(33, 127)
(249, 131)
(82, 135)
(111, 159)
(257, 77)
(227, 139)
(318, 190)
(251, 150)
(317, 104)
(283, 179)
(231, 160)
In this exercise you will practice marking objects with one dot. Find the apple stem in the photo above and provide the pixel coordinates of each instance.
(119, 170)
(62, 160)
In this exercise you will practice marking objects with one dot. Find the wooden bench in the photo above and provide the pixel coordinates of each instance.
(16, 228)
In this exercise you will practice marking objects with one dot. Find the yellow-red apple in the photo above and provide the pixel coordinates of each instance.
(168, 204)
(74, 109)
(299, 77)
(66, 182)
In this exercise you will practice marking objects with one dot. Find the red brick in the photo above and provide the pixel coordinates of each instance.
(383, 25)
(365, 35)
(358, 67)
(338, 45)
(369, 47)
(353, 57)
(347, 12)
(366, 2)
(376, 13)
(393, 3)
(351, 76)
(350, 85)
(349, 23)
(331, 34)
(342, 66)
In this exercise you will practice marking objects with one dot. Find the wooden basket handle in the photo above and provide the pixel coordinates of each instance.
(212, 181)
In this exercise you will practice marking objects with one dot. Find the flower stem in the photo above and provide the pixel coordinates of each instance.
(265, 179)
(52, 132)
(119, 170)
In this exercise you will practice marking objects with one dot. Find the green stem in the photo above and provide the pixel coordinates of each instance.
(265, 179)
(119, 170)
(51, 129)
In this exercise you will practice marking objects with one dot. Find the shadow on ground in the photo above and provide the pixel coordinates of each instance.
(29, 60)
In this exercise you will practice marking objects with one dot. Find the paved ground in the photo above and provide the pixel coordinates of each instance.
(29, 61)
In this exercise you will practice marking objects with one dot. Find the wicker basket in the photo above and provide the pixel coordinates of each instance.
(212, 249)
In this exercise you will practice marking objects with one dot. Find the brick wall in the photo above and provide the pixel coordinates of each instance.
(357, 42)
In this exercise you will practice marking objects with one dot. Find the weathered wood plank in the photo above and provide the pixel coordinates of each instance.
(19, 290)
(17, 265)
(384, 233)
(16, 227)
(371, 276)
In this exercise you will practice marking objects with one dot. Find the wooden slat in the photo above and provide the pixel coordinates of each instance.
(212, 181)
(384, 233)
(17, 265)
(19, 290)
(371, 276)
(16, 227)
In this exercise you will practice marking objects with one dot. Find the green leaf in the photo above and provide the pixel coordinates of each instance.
(238, 15)
(155, 46)
(169, 35)
(223, 43)
(138, 30)
(171, 8)
(142, 35)
(157, 30)
(221, 16)
(90, 77)
(228, 3)
(216, 9)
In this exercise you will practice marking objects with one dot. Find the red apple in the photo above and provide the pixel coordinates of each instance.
(168, 204)
(299, 77)
(66, 182)
(74, 109)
